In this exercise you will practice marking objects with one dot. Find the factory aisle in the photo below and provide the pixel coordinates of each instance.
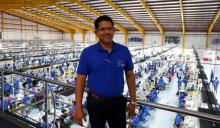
(208, 68)
(160, 118)
(218, 75)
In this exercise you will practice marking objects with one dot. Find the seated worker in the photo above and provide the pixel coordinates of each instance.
(153, 97)
(182, 104)
(182, 95)
(135, 122)
(35, 82)
(206, 84)
(29, 81)
(160, 84)
(53, 73)
(61, 70)
(7, 102)
(26, 99)
(7, 88)
(16, 86)
(217, 108)
(64, 115)
(14, 67)
(154, 92)
(178, 121)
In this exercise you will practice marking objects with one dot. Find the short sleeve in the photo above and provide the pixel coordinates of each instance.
(129, 64)
(83, 64)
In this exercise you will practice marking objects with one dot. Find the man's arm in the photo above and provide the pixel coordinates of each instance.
(80, 85)
(130, 77)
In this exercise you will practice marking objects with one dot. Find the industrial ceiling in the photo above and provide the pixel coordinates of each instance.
(129, 15)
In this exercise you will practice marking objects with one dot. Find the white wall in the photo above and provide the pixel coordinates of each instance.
(90, 37)
(213, 37)
(78, 37)
(119, 37)
(153, 39)
(196, 39)
(66, 36)
(30, 30)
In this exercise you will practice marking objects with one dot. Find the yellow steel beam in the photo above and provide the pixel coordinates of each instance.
(88, 8)
(84, 38)
(183, 40)
(162, 39)
(183, 25)
(76, 14)
(16, 4)
(182, 16)
(66, 18)
(30, 18)
(2, 22)
(25, 3)
(213, 22)
(207, 41)
(52, 20)
(117, 8)
(72, 36)
(126, 38)
(152, 17)
(211, 26)
(21, 24)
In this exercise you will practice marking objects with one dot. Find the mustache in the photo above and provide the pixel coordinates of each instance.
(108, 35)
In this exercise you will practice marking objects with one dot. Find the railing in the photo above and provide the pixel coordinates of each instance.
(209, 117)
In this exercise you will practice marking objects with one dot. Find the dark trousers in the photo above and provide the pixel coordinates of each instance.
(111, 110)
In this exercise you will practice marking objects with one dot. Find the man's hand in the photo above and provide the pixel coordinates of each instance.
(78, 116)
(131, 110)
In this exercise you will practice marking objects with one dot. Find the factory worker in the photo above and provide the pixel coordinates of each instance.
(211, 76)
(16, 86)
(26, 99)
(28, 81)
(178, 120)
(135, 122)
(7, 87)
(215, 85)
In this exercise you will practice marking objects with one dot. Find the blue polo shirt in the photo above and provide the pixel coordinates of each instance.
(105, 70)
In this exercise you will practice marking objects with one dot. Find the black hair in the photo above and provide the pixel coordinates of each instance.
(102, 18)
(63, 110)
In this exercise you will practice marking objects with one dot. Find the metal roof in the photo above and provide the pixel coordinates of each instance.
(129, 15)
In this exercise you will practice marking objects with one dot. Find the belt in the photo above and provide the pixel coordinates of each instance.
(93, 95)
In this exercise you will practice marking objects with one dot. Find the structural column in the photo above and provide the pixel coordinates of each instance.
(72, 36)
(183, 40)
(3, 25)
(162, 41)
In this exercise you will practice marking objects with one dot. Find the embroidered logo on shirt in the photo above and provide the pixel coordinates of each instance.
(120, 63)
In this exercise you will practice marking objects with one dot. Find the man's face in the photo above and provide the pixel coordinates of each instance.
(105, 32)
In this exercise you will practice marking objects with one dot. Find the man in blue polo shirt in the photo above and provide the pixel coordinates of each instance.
(104, 64)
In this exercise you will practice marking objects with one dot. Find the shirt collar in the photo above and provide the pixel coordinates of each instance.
(114, 47)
